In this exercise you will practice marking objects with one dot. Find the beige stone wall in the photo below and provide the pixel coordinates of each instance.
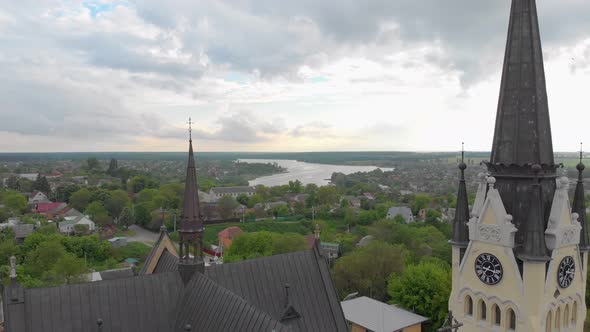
(533, 296)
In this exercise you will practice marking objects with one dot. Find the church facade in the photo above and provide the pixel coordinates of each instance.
(520, 255)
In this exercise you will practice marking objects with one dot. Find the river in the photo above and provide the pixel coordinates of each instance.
(318, 174)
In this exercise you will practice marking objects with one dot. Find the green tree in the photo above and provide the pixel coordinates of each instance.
(69, 269)
(287, 242)
(42, 185)
(43, 257)
(25, 185)
(126, 217)
(226, 206)
(15, 202)
(295, 187)
(142, 215)
(92, 164)
(113, 166)
(139, 183)
(328, 195)
(420, 202)
(242, 199)
(365, 270)
(80, 199)
(12, 182)
(98, 213)
(117, 200)
(424, 288)
(250, 245)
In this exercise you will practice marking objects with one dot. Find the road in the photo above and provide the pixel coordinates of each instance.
(143, 235)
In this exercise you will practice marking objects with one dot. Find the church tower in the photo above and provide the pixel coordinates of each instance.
(520, 256)
(191, 223)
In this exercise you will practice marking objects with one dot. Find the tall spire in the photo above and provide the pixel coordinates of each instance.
(579, 205)
(523, 131)
(191, 223)
(522, 136)
(534, 247)
(460, 231)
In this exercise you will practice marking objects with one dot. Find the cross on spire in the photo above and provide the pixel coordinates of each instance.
(581, 151)
(462, 152)
(190, 129)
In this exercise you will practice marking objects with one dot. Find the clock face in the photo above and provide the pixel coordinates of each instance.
(566, 272)
(488, 269)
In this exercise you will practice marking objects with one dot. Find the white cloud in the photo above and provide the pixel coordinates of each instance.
(266, 75)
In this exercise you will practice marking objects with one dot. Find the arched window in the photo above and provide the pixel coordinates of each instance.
(483, 310)
(558, 319)
(468, 306)
(548, 322)
(566, 315)
(575, 313)
(511, 319)
(497, 315)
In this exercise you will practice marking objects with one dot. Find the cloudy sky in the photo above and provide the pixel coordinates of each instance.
(273, 75)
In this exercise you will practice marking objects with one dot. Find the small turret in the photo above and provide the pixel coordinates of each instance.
(579, 205)
(460, 231)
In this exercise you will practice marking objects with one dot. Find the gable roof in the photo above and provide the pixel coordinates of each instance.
(225, 310)
(164, 244)
(142, 303)
(261, 281)
(378, 316)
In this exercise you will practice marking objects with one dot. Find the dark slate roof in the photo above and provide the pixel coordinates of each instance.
(262, 282)
(225, 311)
(22, 231)
(142, 303)
(191, 213)
(460, 231)
(579, 206)
(522, 136)
(117, 274)
(167, 263)
(523, 131)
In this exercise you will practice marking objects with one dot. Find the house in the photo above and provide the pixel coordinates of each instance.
(67, 226)
(330, 250)
(219, 192)
(403, 211)
(227, 235)
(365, 314)
(353, 201)
(29, 176)
(51, 209)
(22, 231)
(38, 197)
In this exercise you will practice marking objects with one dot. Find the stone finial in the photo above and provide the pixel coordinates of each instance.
(188, 327)
(491, 181)
(12, 267)
(316, 231)
(564, 182)
(575, 217)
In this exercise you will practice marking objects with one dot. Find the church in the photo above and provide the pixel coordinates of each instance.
(519, 258)
(175, 291)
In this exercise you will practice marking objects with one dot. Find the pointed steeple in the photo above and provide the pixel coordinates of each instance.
(523, 131)
(522, 136)
(460, 230)
(191, 223)
(579, 206)
(191, 213)
(534, 247)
